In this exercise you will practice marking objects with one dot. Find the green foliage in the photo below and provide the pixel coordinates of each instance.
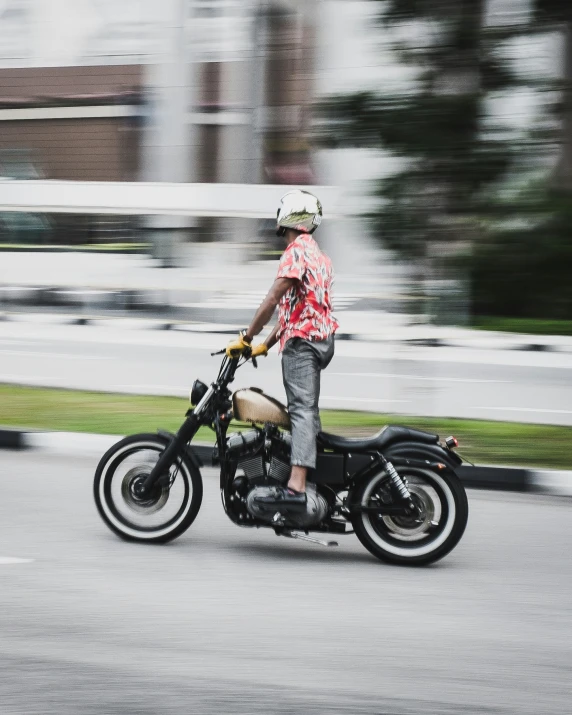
(530, 326)
(524, 272)
(455, 163)
(552, 11)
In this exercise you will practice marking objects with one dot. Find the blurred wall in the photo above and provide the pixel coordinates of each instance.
(75, 123)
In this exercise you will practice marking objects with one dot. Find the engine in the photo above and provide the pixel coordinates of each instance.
(262, 456)
(263, 461)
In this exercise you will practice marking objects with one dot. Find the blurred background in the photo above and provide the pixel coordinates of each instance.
(145, 146)
(444, 130)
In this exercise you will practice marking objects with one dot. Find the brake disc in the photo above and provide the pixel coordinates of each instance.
(416, 523)
(149, 504)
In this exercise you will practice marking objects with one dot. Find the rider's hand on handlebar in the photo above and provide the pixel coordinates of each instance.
(260, 350)
(235, 348)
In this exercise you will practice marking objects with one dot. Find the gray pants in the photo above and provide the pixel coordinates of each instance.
(302, 363)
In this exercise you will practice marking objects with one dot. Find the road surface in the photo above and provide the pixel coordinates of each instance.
(463, 382)
(232, 621)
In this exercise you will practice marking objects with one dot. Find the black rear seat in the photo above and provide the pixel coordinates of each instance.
(385, 438)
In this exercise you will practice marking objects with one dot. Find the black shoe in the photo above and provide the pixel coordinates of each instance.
(284, 497)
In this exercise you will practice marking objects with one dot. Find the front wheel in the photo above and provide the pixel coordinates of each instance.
(160, 516)
(442, 514)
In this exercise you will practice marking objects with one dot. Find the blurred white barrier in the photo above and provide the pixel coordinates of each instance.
(123, 198)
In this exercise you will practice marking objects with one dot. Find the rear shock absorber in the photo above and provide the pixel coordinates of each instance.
(397, 481)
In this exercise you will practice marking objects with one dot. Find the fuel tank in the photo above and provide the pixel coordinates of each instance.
(252, 405)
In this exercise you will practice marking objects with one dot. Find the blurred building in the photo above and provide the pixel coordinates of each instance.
(75, 90)
(183, 90)
(194, 90)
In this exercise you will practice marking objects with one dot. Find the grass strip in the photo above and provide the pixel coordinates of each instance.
(531, 326)
(75, 411)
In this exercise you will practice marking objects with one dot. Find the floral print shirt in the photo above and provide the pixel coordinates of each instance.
(305, 310)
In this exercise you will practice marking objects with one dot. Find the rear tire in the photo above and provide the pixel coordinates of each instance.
(161, 517)
(400, 541)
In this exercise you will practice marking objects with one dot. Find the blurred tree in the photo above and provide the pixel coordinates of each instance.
(437, 125)
(558, 14)
(524, 269)
(525, 272)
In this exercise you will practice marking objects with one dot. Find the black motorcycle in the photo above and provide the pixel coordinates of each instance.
(397, 491)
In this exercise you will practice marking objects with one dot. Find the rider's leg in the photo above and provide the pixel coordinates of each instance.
(301, 375)
(302, 363)
(298, 478)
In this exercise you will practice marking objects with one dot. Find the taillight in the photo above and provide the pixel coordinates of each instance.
(452, 442)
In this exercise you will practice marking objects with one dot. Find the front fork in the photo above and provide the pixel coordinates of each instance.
(188, 430)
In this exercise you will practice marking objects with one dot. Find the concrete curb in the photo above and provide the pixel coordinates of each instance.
(509, 479)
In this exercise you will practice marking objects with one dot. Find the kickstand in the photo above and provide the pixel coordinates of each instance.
(305, 537)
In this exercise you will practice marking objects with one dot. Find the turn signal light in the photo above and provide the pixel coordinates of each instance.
(452, 442)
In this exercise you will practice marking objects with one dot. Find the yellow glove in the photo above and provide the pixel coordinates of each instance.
(260, 350)
(237, 347)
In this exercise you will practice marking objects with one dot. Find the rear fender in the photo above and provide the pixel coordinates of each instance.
(403, 453)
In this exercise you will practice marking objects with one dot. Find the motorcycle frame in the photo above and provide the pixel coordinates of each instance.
(217, 416)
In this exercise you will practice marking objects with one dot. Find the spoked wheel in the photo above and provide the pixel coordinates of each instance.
(163, 514)
(424, 536)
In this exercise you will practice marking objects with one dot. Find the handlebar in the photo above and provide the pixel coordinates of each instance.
(247, 355)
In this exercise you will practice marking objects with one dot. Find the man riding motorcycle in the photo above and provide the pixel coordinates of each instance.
(305, 333)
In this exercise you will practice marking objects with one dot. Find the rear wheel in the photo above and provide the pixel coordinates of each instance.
(422, 538)
(160, 516)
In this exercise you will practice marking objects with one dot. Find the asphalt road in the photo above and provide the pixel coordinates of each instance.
(442, 382)
(226, 620)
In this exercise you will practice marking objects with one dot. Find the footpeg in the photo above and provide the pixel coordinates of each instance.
(277, 519)
(305, 537)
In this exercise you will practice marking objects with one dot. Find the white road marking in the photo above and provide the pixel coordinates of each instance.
(13, 341)
(161, 389)
(528, 409)
(64, 356)
(25, 379)
(417, 377)
(359, 399)
(7, 561)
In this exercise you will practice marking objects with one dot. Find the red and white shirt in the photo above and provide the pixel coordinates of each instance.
(305, 310)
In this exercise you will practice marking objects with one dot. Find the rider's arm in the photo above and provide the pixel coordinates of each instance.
(268, 305)
(272, 339)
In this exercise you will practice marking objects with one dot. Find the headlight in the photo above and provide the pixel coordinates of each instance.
(198, 391)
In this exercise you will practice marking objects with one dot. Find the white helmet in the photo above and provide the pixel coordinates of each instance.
(300, 210)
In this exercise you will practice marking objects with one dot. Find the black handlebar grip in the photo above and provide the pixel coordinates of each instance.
(254, 362)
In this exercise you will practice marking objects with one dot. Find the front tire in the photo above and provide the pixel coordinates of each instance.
(443, 516)
(167, 512)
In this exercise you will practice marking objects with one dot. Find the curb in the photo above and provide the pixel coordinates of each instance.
(506, 479)
(74, 444)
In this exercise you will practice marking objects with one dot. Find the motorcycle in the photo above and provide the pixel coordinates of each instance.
(397, 490)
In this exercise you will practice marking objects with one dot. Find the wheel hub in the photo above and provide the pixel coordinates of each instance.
(132, 487)
(418, 520)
